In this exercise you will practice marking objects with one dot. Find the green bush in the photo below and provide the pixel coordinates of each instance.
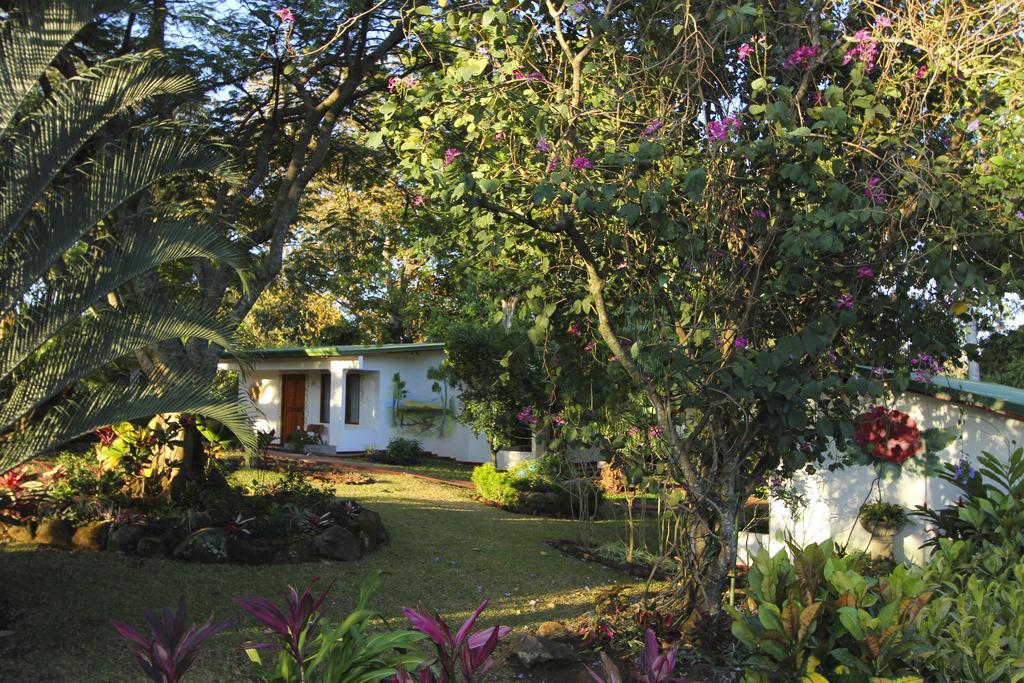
(975, 625)
(402, 452)
(297, 441)
(496, 487)
(818, 618)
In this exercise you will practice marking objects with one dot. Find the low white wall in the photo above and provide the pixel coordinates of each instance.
(834, 498)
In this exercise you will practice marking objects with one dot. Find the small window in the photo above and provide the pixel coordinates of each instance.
(352, 387)
(325, 397)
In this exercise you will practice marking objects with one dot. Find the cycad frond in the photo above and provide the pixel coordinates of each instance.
(121, 171)
(116, 402)
(50, 137)
(29, 42)
(95, 342)
(53, 308)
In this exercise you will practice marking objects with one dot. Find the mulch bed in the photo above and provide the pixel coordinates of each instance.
(637, 569)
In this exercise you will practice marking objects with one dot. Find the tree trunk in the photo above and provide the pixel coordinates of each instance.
(183, 461)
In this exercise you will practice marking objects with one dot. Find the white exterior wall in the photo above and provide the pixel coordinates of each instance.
(375, 426)
(834, 498)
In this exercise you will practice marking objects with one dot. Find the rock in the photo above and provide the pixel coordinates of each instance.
(56, 532)
(245, 550)
(204, 545)
(151, 546)
(338, 543)
(532, 651)
(91, 536)
(554, 630)
(124, 538)
(370, 530)
(297, 551)
(20, 533)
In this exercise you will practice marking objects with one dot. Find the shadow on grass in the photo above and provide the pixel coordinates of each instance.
(446, 550)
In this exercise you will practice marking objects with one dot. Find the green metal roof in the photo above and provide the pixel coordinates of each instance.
(999, 397)
(348, 350)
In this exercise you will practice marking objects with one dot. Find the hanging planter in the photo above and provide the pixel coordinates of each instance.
(889, 435)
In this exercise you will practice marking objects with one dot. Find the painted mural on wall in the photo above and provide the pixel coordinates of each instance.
(422, 416)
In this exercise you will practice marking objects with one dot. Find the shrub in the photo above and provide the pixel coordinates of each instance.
(819, 615)
(403, 451)
(976, 623)
(300, 438)
(494, 486)
(879, 514)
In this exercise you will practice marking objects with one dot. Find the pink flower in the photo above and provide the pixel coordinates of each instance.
(450, 155)
(406, 83)
(526, 416)
(719, 130)
(418, 200)
(866, 272)
(542, 145)
(882, 21)
(633, 431)
(654, 431)
(582, 163)
(558, 420)
(865, 51)
(973, 125)
(801, 56)
(921, 72)
(574, 328)
(845, 302)
(874, 190)
(589, 346)
(499, 136)
(745, 51)
(652, 127)
(740, 343)
(285, 15)
(759, 213)
(552, 163)
(528, 76)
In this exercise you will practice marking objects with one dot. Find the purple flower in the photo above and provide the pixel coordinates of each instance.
(528, 76)
(552, 163)
(973, 125)
(582, 163)
(819, 99)
(574, 328)
(874, 190)
(740, 343)
(844, 302)
(759, 213)
(652, 127)
(285, 15)
(921, 71)
(1019, 214)
(397, 83)
(924, 367)
(801, 56)
(450, 155)
(745, 51)
(865, 272)
(418, 200)
(542, 145)
(964, 472)
(883, 21)
(526, 416)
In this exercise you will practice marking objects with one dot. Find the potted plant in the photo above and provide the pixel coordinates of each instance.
(883, 521)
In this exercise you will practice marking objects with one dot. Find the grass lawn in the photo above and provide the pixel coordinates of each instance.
(430, 467)
(446, 549)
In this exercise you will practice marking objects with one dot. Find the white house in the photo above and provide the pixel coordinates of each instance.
(362, 396)
(989, 417)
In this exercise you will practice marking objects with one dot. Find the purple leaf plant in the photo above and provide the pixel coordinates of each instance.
(170, 650)
(654, 665)
(472, 650)
(292, 625)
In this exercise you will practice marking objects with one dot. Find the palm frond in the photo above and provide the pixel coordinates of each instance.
(29, 41)
(121, 171)
(50, 137)
(95, 342)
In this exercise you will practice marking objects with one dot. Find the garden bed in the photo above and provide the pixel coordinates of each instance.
(637, 569)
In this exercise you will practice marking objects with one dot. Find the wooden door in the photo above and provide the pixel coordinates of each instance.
(293, 404)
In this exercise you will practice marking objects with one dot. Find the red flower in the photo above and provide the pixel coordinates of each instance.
(889, 435)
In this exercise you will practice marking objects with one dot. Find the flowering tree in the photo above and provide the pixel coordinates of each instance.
(739, 205)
